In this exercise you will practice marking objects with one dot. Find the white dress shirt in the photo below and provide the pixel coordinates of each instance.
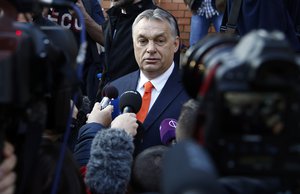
(158, 84)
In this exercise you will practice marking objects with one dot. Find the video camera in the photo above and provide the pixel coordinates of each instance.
(36, 65)
(249, 90)
(38, 80)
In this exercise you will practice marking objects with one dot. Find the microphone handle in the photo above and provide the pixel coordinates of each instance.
(127, 109)
(104, 102)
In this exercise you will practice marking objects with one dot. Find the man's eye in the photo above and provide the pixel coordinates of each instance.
(142, 41)
(160, 41)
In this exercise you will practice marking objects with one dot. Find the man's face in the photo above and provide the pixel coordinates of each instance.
(122, 3)
(154, 46)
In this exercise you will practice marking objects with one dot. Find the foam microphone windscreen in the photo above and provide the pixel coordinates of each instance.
(109, 166)
(167, 131)
(110, 91)
(130, 101)
(186, 168)
(86, 104)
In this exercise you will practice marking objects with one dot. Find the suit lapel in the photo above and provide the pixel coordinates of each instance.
(167, 95)
(128, 83)
(133, 80)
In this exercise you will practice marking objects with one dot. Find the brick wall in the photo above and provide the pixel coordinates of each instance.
(178, 9)
(183, 15)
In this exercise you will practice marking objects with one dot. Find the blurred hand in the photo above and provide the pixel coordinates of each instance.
(126, 121)
(7, 174)
(81, 6)
(102, 117)
(24, 17)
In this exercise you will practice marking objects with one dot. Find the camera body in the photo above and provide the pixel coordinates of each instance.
(38, 80)
(250, 102)
(35, 63)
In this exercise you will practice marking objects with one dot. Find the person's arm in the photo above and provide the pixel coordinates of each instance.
(93, 28)
(97, 120)
(7, 174)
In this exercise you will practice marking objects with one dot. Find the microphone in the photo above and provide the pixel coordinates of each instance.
(130, 101)
(83, 110)
(109, 92)
(167, 131)
(116, 111)
(111, 158)
(187, 168)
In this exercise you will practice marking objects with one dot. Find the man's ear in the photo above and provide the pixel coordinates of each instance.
(176, 44)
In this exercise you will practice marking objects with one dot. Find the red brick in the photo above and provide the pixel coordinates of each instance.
(164, 1)
(169, 6)
(181, 28)
(182, 6)
(184, 21)
(187, 14)
(177, 1)
(186, 28)
(185, 42)
(178, 14)
(184, 35)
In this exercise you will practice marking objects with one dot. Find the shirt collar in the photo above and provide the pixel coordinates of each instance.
(157, 82)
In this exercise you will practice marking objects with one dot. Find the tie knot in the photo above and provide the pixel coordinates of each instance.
(148, 86)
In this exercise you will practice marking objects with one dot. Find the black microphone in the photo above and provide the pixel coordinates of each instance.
(109, 92)
(130, 101)
(167, 131)
(83, 109)
(187, 168)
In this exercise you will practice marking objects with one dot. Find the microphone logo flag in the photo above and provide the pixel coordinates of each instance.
(167, 131)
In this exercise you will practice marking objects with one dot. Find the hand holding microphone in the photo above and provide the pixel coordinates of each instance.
(126, 121)
(112, 149)
(102, 117)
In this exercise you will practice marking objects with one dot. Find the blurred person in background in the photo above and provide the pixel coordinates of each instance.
(204, 13)
(272, 15)
(93, 18)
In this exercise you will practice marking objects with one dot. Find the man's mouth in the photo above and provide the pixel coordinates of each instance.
(151, 60)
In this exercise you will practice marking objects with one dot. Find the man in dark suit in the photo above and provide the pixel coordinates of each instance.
(117, 31)
(155, 42)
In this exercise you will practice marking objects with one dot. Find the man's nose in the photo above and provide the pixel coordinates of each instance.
(151, 47)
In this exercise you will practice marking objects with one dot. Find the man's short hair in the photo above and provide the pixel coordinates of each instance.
(147, 169)
(159, 15)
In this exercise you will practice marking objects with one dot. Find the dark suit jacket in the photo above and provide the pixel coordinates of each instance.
(167, 105)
